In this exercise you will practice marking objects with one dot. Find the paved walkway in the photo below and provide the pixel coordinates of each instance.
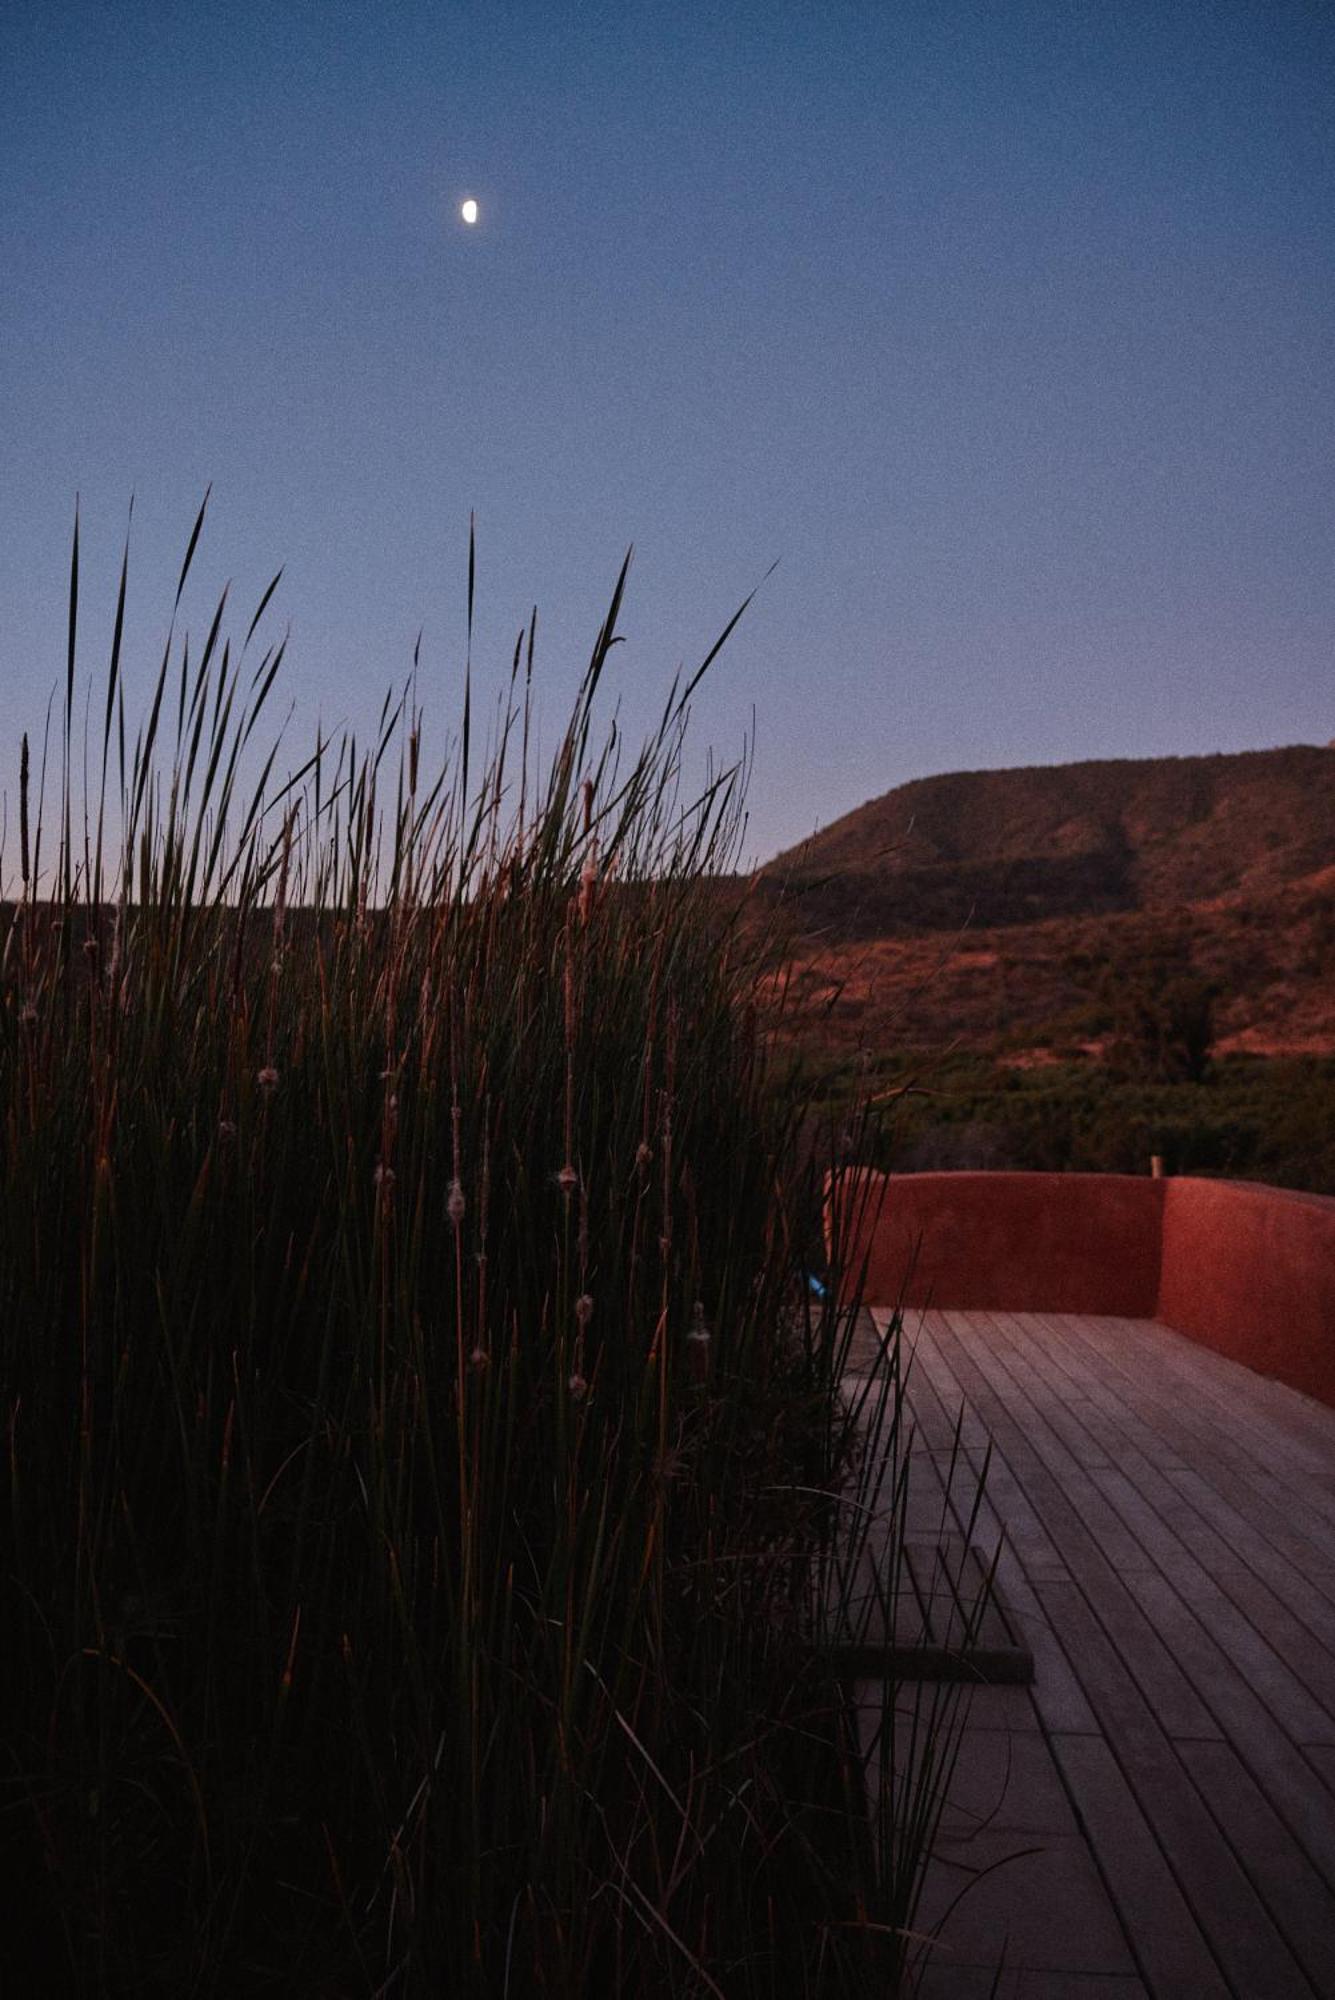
(1155, 1814)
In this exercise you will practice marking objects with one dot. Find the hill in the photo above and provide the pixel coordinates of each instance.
(999, 848)
(997, 909)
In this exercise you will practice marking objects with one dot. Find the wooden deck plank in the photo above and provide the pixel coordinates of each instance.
(1049, 1447)
(1170, 1948)
(1290, 1698)
(1042, 1477)
(1250, 1644)
(1156, 1513)
(1101, 1381)
(1176, 1384)
(1036, 1898)
(1285, 1774)
(1275, 1416)
(1217, 1437)
(1030, 1551)
(1025, 1532)
(1226, 1596)
(1025, 1550)
(1240, 1511)
(1055, 1446)
(1225, 1905)
(1184, 1403)
(985, 1982)
(1266, 1585)
(1272, 1418)
(1170, 1551)
(1299, 1900)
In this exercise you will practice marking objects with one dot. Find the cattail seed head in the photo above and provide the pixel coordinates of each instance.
(697, 1344)
(268, 1078)
(479, 1361)
(644, 1154)
(567, 1180)
(588, 884)
(583, 1309)
(455, 1204)
(383, 1177)
(280, 900)
(577, 1388)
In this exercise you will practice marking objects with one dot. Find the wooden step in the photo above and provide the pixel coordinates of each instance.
(937, 1615)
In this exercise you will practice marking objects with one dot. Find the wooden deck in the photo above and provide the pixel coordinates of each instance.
(1155, 1813)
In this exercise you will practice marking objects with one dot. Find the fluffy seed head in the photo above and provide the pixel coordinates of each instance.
(268, 1078)
(455, 1204)
(697, 1344)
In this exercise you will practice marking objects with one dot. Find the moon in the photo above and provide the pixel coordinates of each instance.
(468, 210)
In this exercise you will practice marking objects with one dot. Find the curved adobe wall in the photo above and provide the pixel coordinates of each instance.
(1247, 1270)
(1030, 1242)
(1250, 1271)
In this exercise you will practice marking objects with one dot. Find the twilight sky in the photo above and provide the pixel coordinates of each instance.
(1008, 331)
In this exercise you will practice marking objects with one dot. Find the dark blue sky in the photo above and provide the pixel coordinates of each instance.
(1007, 330)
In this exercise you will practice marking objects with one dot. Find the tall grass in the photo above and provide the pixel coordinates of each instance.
(418, 1438)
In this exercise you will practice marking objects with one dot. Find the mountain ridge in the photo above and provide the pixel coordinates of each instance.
(1033, 842)
(976, 909)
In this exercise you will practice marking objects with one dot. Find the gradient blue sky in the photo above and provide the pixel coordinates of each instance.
(1006, 329)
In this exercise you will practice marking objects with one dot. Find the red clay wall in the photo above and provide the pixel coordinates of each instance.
(1030, 1242)
(1247, 1270)
(1250, 1271)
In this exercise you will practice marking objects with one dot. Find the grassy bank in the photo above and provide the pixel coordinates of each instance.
(419, 1436)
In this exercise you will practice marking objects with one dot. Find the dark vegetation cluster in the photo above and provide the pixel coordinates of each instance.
(1252, 1118)
(421, 1440)
(1155, 1090)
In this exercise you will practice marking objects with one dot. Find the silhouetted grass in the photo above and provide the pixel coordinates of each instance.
(420, 1442)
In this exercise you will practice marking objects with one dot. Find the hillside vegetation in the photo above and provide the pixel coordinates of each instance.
(1079, 965)
(1001, 848)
